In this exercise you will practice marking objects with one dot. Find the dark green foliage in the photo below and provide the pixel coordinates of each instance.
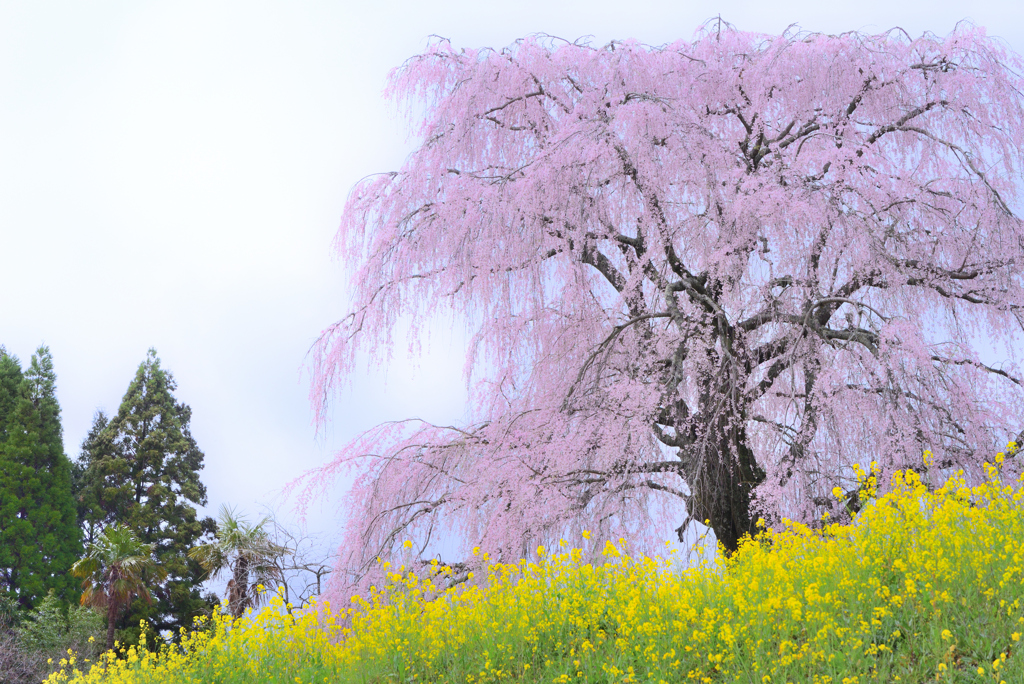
(95, 506)
(10, 383)
(141, 469)
(39, 534)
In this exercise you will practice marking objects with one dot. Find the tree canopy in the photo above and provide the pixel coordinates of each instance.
(247, 550)
(115, 570)
(703, 281)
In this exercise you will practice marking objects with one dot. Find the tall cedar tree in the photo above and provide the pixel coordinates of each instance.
(39, 534)
(88, 483)
(10, 381)
(141, 469)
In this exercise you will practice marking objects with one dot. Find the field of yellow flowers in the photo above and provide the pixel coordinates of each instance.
(924, 586)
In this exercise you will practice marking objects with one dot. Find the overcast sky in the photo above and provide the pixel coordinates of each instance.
(172, 175)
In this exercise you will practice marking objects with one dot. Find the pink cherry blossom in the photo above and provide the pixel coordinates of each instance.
(703, 281)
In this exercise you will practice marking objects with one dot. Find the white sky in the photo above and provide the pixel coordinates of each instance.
(172, 175)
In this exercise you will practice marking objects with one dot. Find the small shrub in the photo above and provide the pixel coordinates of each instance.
(32, 644)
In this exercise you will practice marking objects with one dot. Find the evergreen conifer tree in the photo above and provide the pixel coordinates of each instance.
(10, 382)
(39, 535)
(141, 470)
(96, 503)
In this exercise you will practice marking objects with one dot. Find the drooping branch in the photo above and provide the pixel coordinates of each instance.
(811, 216)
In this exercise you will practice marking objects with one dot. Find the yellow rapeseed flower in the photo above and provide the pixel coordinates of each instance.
(568, 616)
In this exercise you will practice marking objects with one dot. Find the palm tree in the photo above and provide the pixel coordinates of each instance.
(114, 571)
(248, 551)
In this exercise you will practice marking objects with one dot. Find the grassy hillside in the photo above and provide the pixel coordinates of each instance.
(923, 586)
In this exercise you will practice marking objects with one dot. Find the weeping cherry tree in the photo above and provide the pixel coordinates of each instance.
(702, 281)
